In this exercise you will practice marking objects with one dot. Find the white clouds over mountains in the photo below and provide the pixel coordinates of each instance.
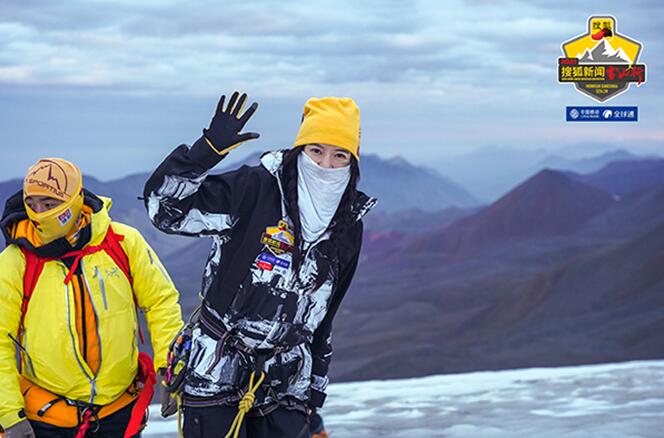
(431, 76)
(275, 47)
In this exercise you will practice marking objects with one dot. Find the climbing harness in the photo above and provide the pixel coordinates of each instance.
(43, 405)
(257, 378)
(75, 413)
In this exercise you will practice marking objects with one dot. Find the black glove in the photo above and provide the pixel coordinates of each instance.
(223, 135)
(169, 404)
(22, 429)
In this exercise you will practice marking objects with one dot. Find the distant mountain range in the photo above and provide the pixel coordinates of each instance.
(555, 272)
(547, 204)
(588, 164)
(490, 172)
(627, 176)
(400, 185)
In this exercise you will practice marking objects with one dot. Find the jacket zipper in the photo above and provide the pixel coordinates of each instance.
(102, 286)
(71, 333)
(93, 382)
(296, 275)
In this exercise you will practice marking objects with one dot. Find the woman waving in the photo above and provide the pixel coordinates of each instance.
(286, 238)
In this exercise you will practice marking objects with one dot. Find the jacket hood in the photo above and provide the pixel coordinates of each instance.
(273, 162)
(92, 234)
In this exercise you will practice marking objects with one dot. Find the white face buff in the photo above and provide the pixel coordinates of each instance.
(319, 192)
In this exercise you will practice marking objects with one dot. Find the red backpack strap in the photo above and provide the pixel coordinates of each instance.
(34, 265)
(117, 253)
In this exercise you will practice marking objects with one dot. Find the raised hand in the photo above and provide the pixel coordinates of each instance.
(224, 135)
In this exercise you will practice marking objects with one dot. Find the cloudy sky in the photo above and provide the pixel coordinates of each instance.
(115, 85)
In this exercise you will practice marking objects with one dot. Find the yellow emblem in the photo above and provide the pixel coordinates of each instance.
(601, 62)
(279, 239)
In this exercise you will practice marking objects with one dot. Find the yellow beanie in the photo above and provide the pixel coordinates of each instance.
(53, 177)
(331, 120)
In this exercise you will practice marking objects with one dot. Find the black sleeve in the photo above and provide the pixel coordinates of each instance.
(321, 348)
(181, 198)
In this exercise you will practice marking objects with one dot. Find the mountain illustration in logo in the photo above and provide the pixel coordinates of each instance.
(604, 53)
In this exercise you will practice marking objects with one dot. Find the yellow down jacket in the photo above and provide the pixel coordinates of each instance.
(52, 356)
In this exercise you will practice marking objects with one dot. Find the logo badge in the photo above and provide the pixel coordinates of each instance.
(65, 217)
(601, 63)
(50, 176)
(279, 239)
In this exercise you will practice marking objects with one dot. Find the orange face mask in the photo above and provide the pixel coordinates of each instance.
(58, 179)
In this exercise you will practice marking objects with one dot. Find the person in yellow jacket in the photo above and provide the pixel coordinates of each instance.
(77, 332)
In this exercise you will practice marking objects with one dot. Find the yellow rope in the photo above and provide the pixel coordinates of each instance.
(245, 404)
(179, 400)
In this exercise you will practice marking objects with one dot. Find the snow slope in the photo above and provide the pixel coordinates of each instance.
(613, 400)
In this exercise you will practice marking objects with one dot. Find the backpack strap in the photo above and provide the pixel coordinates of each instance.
(34, 265)
(117, 253)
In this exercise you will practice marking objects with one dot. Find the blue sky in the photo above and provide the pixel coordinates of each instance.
(115, 85)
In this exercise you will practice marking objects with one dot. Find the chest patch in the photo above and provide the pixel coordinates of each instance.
(279, 239)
